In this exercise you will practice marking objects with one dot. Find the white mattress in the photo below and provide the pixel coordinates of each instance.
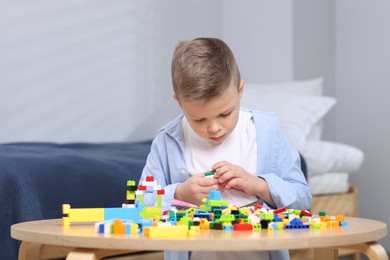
(328, 183)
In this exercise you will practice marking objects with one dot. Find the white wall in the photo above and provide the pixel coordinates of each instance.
(75, 70)
(347, 42)
(260, 35)
(314, 47)
(99, 71)
(93, 71)
(363, 90)
(177, 20)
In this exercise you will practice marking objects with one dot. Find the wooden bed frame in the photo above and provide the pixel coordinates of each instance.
(332, 204)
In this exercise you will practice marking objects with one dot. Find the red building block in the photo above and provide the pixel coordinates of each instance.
(242, 227)
(279, 210)
(149, 178)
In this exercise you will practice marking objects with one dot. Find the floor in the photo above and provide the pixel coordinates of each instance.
(160, 256)
(143, 256)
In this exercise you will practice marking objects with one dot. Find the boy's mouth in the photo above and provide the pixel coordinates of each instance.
(217, 139)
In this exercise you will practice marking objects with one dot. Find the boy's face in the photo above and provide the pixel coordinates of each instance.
(214, 120)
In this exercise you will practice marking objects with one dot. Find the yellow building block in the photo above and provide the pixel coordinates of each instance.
(279, 225)
(82, 215)
(195, 228)
(133, 228)
(165, 231)
(204, 223)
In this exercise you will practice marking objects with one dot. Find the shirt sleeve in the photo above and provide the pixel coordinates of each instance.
(287, 183)
(158, 167)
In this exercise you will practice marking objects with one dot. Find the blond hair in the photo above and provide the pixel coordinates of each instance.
(202, 69)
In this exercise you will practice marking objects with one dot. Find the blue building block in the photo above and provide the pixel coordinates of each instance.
(215, 195)
(296, 221)
(203, 215)
(303, 226)
(122, 213)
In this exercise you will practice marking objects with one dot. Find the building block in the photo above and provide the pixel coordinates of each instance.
(82, 215)
(303, 226)
(256, 227)
(134, 218)
(150, 212)
(272, 226)
(119, 227)
(228, 227)
(306, 213)
(130, 192)
(279, 210)
(242, 227)
(122, 213)
(209, 174)
(172, 231)
(215, 195)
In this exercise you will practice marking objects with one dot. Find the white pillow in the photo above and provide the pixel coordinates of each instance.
(297, 114)
(324, 156)
(311, 87)
(333, 182)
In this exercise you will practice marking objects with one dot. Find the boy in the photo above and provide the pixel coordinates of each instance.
(245, 148)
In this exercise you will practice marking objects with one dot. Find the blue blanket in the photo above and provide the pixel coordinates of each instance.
(37, 178)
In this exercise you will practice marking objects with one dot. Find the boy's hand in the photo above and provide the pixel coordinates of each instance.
(197, 187)
(233, 176)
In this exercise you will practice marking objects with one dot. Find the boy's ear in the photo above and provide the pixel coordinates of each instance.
(177, 99)
(241, 88)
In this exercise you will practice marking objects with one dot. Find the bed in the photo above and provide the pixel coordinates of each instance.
(37, 178)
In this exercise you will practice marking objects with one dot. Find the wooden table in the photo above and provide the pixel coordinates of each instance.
(83, 243)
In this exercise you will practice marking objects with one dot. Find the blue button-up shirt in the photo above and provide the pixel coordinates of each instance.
(278, 163)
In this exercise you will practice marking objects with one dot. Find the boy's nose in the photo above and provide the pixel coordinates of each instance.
(215, 127)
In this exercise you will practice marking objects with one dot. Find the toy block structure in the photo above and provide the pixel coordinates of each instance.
(99, 214)
(214, 201)
(149, 184)
(134, 218)
(130, 193)
(128, 211)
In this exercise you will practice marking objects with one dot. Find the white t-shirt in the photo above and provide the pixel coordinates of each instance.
(239, 148)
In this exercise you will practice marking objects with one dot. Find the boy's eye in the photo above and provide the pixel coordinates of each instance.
(227, 114)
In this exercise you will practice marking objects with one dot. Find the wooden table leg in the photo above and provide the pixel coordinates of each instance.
(326, 254)
(373, 250)
(29, 251)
